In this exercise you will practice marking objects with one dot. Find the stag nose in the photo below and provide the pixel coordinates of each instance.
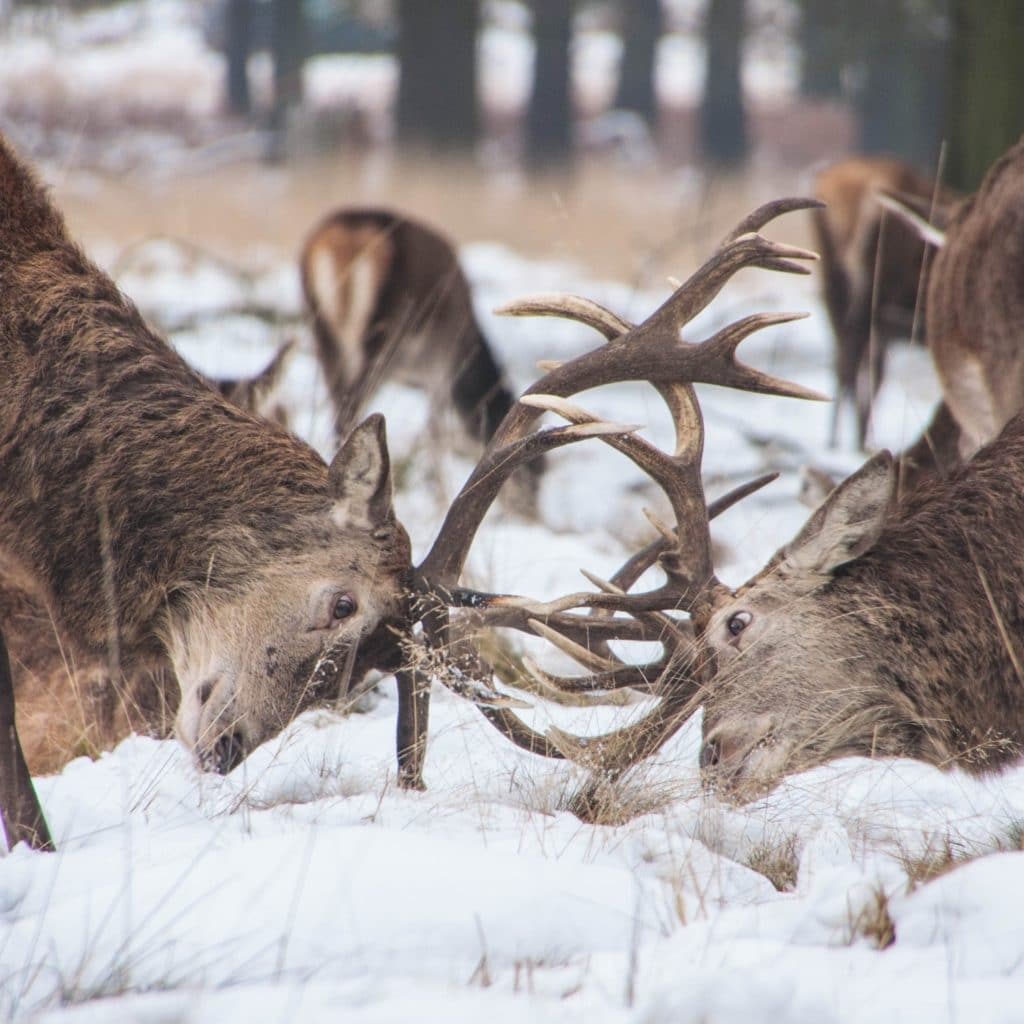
(709, 755)
(227, 753)
(723, 749)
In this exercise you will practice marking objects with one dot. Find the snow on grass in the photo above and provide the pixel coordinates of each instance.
(305, 884)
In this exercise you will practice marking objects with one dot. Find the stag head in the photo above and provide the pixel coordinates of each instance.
(310, 619)
(783, 690)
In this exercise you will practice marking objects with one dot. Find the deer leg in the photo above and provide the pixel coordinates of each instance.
(19, 806)
(413, 718)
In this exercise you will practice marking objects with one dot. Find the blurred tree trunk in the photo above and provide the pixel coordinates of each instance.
(288, 52)
(549, 115)
(904, 62)
(986, 113)
(642, 26)
(238, 43)
(723, 126)
(437, 83)
(822, 48)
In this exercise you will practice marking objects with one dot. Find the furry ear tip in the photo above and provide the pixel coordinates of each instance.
(881, 462)
(375, 422)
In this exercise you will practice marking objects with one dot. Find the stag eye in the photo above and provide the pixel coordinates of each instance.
(739, 622)
(344, 608)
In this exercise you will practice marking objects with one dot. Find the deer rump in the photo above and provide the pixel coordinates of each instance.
(389, 301)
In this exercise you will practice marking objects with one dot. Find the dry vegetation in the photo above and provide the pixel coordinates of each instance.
(779, 862)
(623, 222)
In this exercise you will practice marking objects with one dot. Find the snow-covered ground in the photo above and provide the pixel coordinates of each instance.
(305, 885)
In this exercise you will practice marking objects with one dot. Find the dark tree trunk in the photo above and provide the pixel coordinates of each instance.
(549, 116)
(437, 84)
(288, 51)
(642, 25)
(902, 101)
(986, 114)
(238, 43)
(723, 126)
(823, 48)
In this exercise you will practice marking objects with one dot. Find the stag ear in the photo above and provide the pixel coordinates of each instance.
(360, 476)
(848, 522)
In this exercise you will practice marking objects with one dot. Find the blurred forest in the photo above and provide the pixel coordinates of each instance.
(893, 76)
(910, 73)
(666, 98)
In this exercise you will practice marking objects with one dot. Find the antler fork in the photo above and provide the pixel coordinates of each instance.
(652, 351)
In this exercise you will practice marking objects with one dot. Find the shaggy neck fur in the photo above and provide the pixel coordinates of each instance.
(126, 482)
(940, 599)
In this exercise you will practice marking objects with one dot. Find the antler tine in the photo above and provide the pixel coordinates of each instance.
(569, 307)
(614, 752)
(549, 687)
(504, 611)
(513, 728)
(576, 651)
(768, 212)
(444, 562)
(654, 352)
(633, 677)
(698, 290)
(722, 347)
(678, 475)
(635, 566)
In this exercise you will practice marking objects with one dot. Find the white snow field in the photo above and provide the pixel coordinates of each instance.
(305, 885)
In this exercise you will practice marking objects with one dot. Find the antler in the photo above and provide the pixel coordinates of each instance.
(652, 351)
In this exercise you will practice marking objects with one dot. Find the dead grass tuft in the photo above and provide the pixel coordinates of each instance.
(922, 868)
(600, 801)
(939, 860)
(779, 862)
(874, 921)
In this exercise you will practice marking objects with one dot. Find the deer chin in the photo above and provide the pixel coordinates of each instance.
(744, 760)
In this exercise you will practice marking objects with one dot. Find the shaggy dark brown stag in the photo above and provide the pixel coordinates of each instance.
(873, 272)
(165, 531)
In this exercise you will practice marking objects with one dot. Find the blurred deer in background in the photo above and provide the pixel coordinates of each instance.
(390, 301)
(976, 305)
(873, 269)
